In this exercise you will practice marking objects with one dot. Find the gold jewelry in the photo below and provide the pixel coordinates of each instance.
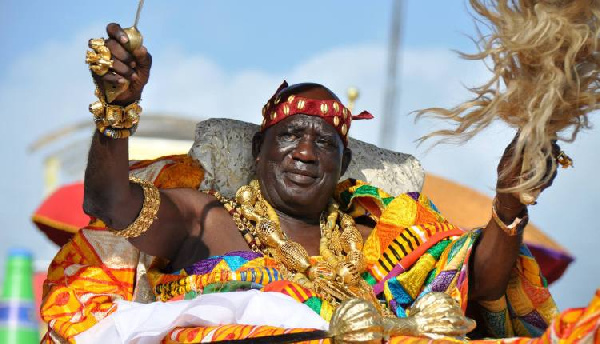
(433, 315)
(336, 277)
(99, 58)
(515, 227)
(113, 120)
(564, 160)
(148, 213)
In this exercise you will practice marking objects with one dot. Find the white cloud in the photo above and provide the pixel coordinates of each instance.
(46, 95)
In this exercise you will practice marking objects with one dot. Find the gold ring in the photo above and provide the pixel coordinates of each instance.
(99, 58)
(564, 160)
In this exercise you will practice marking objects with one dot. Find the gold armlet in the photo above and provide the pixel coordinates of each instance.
(514, 228)
(148, 213)
(115, 121)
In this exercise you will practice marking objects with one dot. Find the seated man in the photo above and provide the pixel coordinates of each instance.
(297, 226)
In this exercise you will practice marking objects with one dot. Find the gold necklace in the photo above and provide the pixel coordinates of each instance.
(336, 277)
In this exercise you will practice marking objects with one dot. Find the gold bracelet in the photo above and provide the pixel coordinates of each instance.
(115, 121)
(148, 213)
(516, 227)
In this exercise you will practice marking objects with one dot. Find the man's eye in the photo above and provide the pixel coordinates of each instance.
(326, 142)
(288, 136)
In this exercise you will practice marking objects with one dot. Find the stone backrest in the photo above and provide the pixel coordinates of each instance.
(224, 148)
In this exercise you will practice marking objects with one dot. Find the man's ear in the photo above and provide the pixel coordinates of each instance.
(346, 159)
(257, 141)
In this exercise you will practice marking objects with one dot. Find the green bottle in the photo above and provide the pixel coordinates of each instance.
(18, 322)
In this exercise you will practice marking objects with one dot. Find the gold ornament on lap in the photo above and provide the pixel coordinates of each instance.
(434, 315)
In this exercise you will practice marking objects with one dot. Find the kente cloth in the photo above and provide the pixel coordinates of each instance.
(412, 250)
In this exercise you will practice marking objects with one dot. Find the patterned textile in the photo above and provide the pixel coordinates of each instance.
(331, 111)
(411, 251)
(227, 332)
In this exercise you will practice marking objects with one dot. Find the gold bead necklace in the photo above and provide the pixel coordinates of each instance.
(335, 277)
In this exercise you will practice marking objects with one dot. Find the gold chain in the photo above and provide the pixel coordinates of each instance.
(335, 277)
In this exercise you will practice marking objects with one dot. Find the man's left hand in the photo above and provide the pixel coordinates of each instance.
(508, 204)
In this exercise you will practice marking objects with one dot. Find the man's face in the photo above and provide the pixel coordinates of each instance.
(299, 164)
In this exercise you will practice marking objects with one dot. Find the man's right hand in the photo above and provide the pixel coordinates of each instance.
(132, 68)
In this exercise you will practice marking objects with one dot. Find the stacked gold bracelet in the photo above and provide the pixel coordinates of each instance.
(148, 213)
(115, 121)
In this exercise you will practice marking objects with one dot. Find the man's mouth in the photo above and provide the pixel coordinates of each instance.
(300, 177)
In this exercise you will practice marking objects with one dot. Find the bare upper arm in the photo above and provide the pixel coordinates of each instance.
(191, 225)
(173, 224)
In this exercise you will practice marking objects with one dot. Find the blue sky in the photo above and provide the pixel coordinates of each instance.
(225, 58)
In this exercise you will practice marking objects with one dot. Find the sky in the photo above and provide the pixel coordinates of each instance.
(225, 58)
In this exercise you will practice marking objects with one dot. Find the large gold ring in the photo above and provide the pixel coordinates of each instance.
(564, 160)
(99, 58)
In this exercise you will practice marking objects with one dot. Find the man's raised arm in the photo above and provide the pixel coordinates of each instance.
(109, 195)
(498, 247)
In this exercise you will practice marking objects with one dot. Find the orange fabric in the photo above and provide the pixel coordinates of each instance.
(80, 284)
(182, 171)
(181, 335)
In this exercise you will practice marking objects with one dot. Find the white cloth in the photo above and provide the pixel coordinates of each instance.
(148, 323)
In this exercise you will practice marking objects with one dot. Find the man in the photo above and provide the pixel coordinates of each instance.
(300, 158)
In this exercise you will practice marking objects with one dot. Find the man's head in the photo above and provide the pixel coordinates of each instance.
(300, 159)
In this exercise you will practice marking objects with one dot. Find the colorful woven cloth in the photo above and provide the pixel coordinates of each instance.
(412, 250)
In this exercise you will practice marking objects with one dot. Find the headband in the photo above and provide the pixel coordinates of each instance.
(332, 111)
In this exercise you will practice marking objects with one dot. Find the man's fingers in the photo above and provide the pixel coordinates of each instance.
(122, 69)
(142, 58)
(115, 32)
(118, 51)
(113, 78)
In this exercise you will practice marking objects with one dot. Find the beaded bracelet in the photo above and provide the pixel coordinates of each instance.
(115, 121)
(516, 227)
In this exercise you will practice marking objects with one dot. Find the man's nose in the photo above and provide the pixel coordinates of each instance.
(305, 151)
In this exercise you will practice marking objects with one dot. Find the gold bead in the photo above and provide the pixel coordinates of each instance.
(291, 98)
(273, 115)
(268, 233)
(324, 108)
(294, 256)
(336, 121)
(336, 107)
(351, 240)
(345, 113)
(245, 194)
(347, 221)
(344, 129)
(286, 110)
(301, 104)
